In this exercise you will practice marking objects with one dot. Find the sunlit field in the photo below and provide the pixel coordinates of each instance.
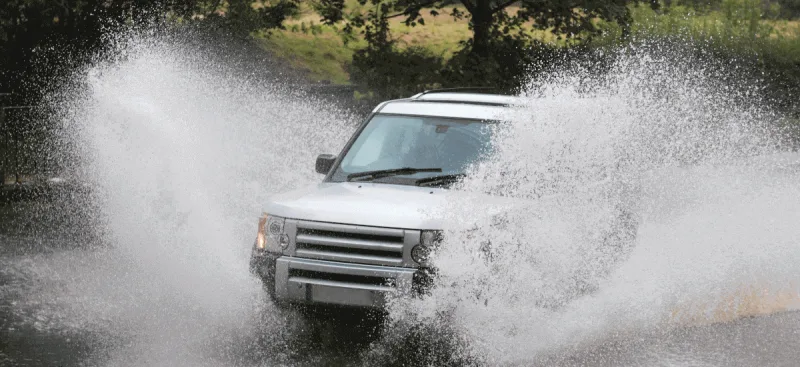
(319, 49)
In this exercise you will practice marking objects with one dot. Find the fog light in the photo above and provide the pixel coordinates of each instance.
(284, 241)
(420, 254)
(430, 238)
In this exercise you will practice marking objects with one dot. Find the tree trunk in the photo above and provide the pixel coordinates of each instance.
(481, 28)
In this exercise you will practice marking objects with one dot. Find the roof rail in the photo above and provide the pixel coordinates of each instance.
(458, 89)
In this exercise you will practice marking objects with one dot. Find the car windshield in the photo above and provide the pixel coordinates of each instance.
(435, 146)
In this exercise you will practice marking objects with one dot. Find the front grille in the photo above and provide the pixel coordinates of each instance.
(348, 243)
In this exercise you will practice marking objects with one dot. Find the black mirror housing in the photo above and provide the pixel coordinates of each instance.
(325, 162)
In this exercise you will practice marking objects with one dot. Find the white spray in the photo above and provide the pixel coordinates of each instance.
(655, 145)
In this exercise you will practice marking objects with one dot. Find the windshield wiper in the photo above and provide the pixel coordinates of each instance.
(440, 180)
(390, 172)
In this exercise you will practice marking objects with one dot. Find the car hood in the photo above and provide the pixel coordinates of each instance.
(368, 204)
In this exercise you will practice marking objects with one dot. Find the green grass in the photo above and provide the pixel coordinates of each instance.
(319, 50)
(323, 56)
(739, 25)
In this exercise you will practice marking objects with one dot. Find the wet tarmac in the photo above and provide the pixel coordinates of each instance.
(27, 338)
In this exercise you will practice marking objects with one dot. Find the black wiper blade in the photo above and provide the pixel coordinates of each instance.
(438, 180)
(390, 172)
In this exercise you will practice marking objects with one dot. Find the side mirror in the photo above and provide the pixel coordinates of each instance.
(325, 162)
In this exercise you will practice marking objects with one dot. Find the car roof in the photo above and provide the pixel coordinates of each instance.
(451, 104)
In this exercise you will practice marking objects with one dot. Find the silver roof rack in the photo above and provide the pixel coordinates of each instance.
(468, 95)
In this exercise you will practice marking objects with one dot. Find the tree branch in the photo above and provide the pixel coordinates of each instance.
(394, 15)
(417, 7)
(504, 5)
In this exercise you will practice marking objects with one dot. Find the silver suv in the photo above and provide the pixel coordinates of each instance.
(362, 232)
(366, 230)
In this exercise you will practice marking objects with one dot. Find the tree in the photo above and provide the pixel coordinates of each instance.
(501, 46)
(42, 40)
(490, 18)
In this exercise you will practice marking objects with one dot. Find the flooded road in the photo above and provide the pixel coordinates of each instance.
(767, 340)
(35, 332)
(145, 263)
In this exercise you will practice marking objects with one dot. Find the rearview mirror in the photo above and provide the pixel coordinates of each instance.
(325, 162)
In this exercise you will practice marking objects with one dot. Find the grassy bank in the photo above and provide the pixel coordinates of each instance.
(320, 51)
(741, 26)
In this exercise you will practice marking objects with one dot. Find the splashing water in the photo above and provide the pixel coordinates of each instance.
(182, 153)
(655, 195)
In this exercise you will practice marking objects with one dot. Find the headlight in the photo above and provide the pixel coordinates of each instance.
(271, 236)
(428, 242)
(261, 238)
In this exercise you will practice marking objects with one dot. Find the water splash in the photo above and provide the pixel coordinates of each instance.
(181, 149)
(629, 201)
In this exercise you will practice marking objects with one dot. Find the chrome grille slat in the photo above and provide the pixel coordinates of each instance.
(344, 228)
(362, 270)
(353, 258)
(330, 283)
(349, 243)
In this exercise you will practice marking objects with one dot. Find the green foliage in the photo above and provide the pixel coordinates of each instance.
(789, 9)
(40, 41)
(487, 18)
(786, 9)
(43, 42)
(740, 33)
(321, 55)
(393, 73)
(497, 54)
(242, 16)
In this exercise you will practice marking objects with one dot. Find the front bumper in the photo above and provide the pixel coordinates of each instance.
(319, 281)
(311, 281)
